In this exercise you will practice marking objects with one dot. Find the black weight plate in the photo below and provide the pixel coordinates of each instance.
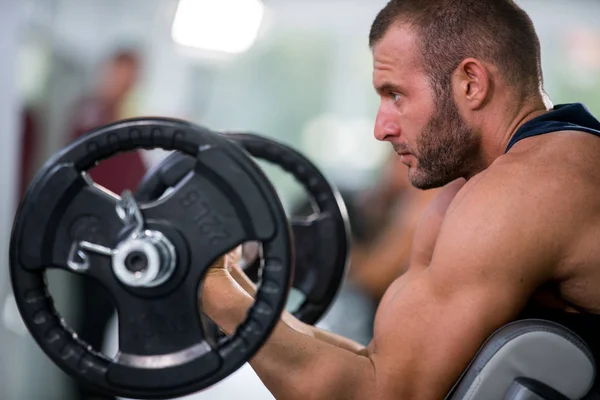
(321, 241)
(164, 350)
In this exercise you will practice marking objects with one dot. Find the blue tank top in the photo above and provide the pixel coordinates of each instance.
(571, 117)
(563, 117)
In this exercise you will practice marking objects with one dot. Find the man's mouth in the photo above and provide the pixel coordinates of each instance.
(401, 150)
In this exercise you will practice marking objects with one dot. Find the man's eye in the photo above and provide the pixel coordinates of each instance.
(395, 97)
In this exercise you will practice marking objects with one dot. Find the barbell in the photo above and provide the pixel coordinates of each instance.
(151, 251)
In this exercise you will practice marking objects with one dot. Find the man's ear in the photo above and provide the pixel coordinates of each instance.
(472, 84)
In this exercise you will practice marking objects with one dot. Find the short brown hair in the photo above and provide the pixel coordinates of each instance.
(497, 31)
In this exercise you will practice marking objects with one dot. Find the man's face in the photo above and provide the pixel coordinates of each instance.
(423, 125)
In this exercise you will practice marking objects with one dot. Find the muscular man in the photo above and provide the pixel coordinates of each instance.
(513, 232)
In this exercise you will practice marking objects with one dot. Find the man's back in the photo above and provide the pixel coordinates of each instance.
(569, 160)
(560, 150)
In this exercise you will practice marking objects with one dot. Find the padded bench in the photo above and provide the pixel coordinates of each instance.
(529, 360)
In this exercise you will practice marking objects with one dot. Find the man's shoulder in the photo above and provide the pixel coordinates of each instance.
(562, 148)
(532, 187)
(511, 183)
(550, 161)
(559, 161)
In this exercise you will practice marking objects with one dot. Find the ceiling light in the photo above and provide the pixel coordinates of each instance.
(228, 26)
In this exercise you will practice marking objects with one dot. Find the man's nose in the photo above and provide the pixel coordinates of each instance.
(385, 125)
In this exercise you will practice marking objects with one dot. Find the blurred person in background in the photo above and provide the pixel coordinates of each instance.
(118, 76)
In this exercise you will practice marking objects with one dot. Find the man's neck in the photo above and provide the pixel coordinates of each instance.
(495, 144)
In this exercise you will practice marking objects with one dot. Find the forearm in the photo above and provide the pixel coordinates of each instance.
(242, 279)
(290, 358)
(297, 366)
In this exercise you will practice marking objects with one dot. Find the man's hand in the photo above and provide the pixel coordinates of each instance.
(224, 264)
(221, 293)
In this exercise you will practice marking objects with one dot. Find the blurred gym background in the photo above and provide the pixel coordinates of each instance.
(295, 70)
